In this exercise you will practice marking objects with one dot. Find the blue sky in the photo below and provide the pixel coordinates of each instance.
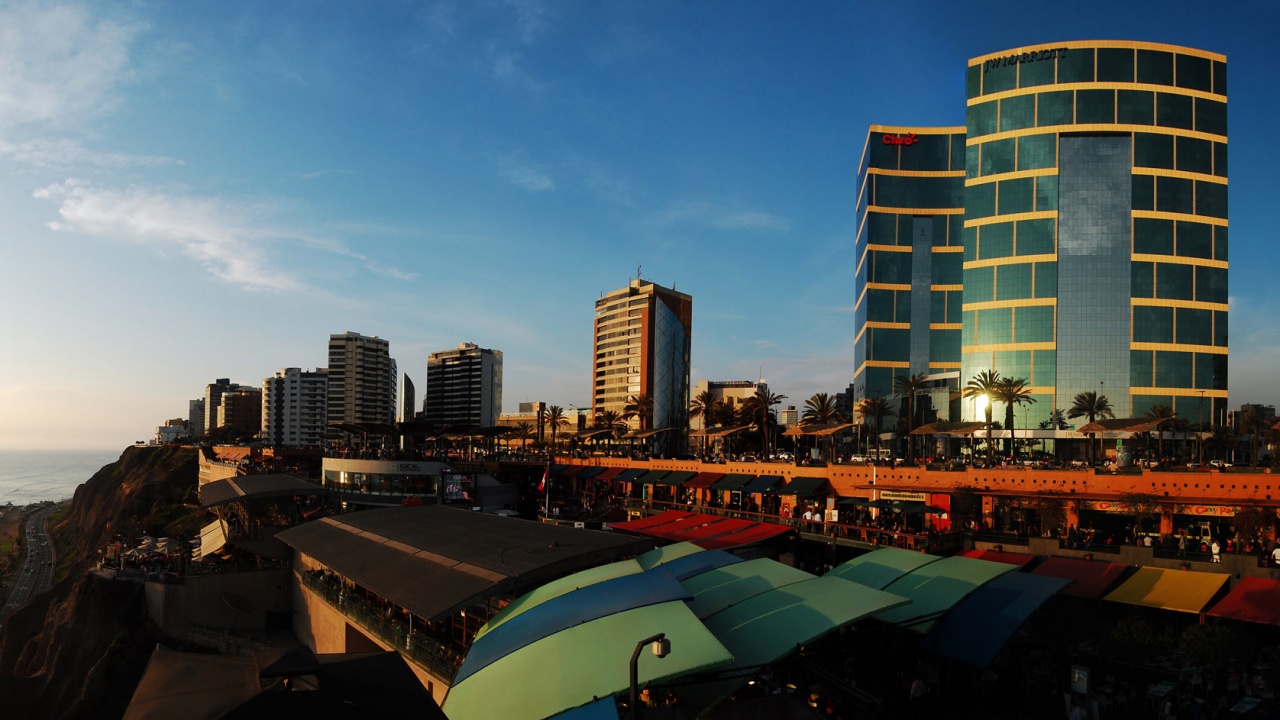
(200, 190)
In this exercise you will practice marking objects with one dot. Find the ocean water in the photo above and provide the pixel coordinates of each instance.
(30, 476)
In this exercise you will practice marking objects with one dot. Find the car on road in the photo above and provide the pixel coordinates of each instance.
(1219, 464)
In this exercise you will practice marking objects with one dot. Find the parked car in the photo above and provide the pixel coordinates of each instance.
(1219, 464)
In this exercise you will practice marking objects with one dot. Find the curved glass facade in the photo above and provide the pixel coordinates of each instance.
(1095, 226)
(910, 255)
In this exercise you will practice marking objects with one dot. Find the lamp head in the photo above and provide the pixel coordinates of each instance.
(661, 647)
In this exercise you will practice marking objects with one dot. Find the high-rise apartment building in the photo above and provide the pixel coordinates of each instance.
(642, 344)
(213, 393)
(464, 386)
(195, 417)
(295, 406)
(1094, 231)
(406, 404)
(241, 410)
(362, 388)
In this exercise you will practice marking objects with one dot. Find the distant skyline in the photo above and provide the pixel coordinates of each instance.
(205, 190)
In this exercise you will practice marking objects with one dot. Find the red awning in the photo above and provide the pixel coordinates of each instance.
(718, 526)
(610, 473)
(703, 479)
(1091, 578)
(647, 523)
(1253, 599)
(1019, 559)
(709, 532)
(758, 532)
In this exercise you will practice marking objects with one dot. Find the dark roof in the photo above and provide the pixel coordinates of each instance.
(254, 487)
(630, 474)
(764, 483)
(950, 428)
(803, 486)
(651, 477)
(676, 477)
(733, 481)
(820, 430)
(1133, 425)
(432, 560)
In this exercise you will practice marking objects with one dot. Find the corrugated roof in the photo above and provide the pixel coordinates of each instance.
(979, 626)
(878, 569)
(937, 587)
(255, 487)
(432, 560)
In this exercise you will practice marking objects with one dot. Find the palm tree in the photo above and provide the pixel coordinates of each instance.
(984, 385)
(908, 386)
(759, 409)
(524, 432)
(1160, 412)
(822, 409)
(612, 421)
(1253, 422)
(554, 415)
(877, 408)
(701, 406)
(1222, 441)
(1090, 405)
(641, 407)
(1012, 392)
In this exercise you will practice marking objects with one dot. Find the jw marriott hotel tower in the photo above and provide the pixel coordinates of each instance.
(1080, 241)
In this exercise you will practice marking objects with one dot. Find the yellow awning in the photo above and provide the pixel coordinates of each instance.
(1180, 590)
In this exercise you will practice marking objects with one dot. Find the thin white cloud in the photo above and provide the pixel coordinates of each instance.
(59, 66)
(66, 153)
(718, 218)
(522, 173)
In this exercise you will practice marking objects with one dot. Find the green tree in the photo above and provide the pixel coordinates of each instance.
(1090, 405)
(1012, 392)
(822, 409)
(612, 421)
(758, 409)
(641, 408)
(1163, 413)
(701, 406)
(984, 385)
(876, 408)
(908, 386)
(1222, 442)
(555, 419)
(1253, 423)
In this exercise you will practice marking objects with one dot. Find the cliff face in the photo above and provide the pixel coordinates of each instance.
(78, 650)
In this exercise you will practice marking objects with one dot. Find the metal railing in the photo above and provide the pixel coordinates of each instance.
(419, 647)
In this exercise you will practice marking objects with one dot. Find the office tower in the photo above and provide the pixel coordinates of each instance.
(910, 251)
(361, 386)
(641, 348)
(195, 417)
(406, 409)
(464, 386)
(295, 407)
(213, 400)
(1096, 223)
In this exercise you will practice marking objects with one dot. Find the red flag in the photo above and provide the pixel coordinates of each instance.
(543, 484)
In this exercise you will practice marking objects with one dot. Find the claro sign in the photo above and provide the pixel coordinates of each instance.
(908, 139)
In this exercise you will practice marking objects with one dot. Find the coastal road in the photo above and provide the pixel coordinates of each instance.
(36, 573)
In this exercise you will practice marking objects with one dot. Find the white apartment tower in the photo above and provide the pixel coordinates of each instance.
(295, 407)
(464, 386)
(362, 388)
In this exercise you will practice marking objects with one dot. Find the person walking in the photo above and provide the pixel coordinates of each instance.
(1182, 544)
(1216, 549)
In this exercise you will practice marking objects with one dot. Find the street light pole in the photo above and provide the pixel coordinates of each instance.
(661, 648)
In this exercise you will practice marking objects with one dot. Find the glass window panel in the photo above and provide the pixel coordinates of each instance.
(1175, 195)
(1194, 73)
(1211, 284)
(1211, 199)
(1036, 73)
(1046, 279)
(982, 119)
(930, 152)
(902, 306)
(938, 237)
(970, 328)
(1035, 237)
(879, 381)
(1143, 279)
(1174, 111)
(1152, 324)
(917, 192)
(1220, 245)
(957, 151)
(1047, 192)
(1015, 196)
(1144, 192)
(1055, 108)
(998, 156)
(1136, 107)
(1076, 66)
(1220, 159)
(1219, 77)
(972, 166)
(995, 241)
(1033, 324)
(1018, 112)
(995, 326)
(970, 244)
(948, 269)
(1045, 368)
(1152, 236)
(944, 345)
(1194, 155)
(881, 155)
(1037, 151)
(1194, 327)
(1115, 65)
(980, 200)
(879, 305)
(1211, 115)
(979, 284)
(955, 230)
(1095, 106)
(1174, 282)
(1205, 363)
(998, 78)
(1195, 240)
(1152, 150)
(890, 267)
(1014, 363)
(1220, 328)
(890, 344)
(882, 228)
(1155, 67)
(937, 307)
(973, 81)
(1173, 369)
(1140, 370)
(955, 305)
(1013, 282)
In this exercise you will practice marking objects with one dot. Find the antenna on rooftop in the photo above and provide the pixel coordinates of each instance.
(638, 276)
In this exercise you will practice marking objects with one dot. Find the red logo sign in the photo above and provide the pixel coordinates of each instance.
(908, 139)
